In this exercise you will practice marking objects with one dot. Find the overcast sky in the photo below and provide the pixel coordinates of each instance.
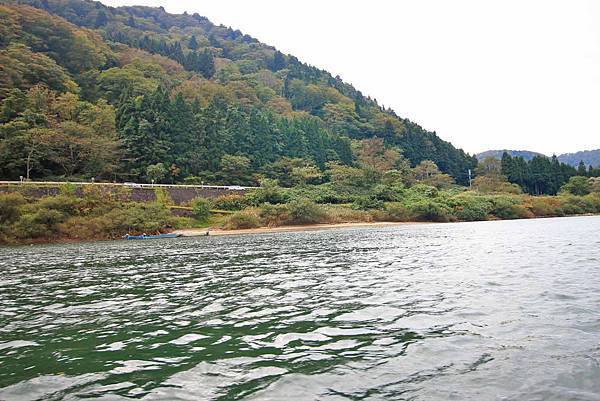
(517, 74)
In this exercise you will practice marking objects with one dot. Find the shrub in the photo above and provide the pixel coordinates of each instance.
(472, 212)
(39, 224)
(9, 207)
(305, 211)
(269, 192)
(387, 193)
(577, 205)
(201, 209)
(427, 191)
(341, 214)
(577, 185)
(507, 208)
(231, 202)
(321, 194)
(392, 212)
(247, 218)
(366, 203)
(162, 196)
(134, 218)
(273, 215)
(428, 210)
(67, 189)
(546, 206)
(63, 203)
(469, 207)
(594, 201)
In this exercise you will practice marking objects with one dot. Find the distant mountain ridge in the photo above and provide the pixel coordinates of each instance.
(589, 157)
(497, 154)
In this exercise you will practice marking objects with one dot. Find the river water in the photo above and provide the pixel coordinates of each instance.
(506, 310)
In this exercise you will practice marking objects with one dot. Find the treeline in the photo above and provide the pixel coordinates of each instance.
(217, 142)
(542, 175)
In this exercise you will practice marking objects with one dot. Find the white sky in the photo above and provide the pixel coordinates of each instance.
(493, 74)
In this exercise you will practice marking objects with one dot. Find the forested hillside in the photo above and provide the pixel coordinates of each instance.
(135, 93)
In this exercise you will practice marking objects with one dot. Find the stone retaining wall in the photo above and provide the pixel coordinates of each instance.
(179, 195)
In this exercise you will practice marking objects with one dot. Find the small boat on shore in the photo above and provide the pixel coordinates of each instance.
(146, 236)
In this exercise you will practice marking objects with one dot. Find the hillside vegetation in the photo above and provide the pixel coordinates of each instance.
(137, 94)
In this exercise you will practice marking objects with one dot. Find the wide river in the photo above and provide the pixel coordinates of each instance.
(506, 310)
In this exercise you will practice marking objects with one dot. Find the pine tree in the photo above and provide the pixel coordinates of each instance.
(206, 64)
(101, 19)
(278, 61)
(192, 43)
(581, 169)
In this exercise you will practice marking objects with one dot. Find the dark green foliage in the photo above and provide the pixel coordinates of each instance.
(305, 211)
(269, 192)
(577, 186)
(508, 208)
(537, 176)
(366, 203)
(231, 202)
(428, 210)
(246, 112)
(201, 209)
(472, 209)
(10, 207)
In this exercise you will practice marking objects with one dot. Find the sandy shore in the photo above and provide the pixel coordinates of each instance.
(195, 232)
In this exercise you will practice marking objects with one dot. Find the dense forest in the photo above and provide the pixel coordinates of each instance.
(137, 94)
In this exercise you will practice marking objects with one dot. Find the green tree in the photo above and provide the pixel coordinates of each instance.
(193, 43)
(156, 172)
(577, 185)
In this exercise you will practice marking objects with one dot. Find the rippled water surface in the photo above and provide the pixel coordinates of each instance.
(473, 311)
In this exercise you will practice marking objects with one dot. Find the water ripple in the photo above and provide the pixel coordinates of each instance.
(472, 311)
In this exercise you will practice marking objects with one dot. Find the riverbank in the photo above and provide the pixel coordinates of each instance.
(215, 231)
(97, 215)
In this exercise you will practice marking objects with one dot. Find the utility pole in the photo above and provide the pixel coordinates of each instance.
(470, 179)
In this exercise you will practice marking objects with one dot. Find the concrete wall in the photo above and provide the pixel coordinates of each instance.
(179, 195)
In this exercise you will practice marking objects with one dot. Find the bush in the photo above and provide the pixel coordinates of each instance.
(424, 190)
(469, 207)
(366, 203)
(546, 206)
(594, 201)
(201, 209)
(577, 185)
(134, 218)
(162, 196)
(269, 192)
(472, 212)
(231, 202)
(387, 193)
(427, 210)
(507, 208)
(67, 189)
(63, 203)
(342, 214)
(392, 212)
(247, 218)
(9, 207)
(274, 215)
(39, 224)
(305, 211)
(324, 193)
(577, 205)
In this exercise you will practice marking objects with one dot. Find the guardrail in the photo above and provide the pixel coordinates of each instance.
(129, 185)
